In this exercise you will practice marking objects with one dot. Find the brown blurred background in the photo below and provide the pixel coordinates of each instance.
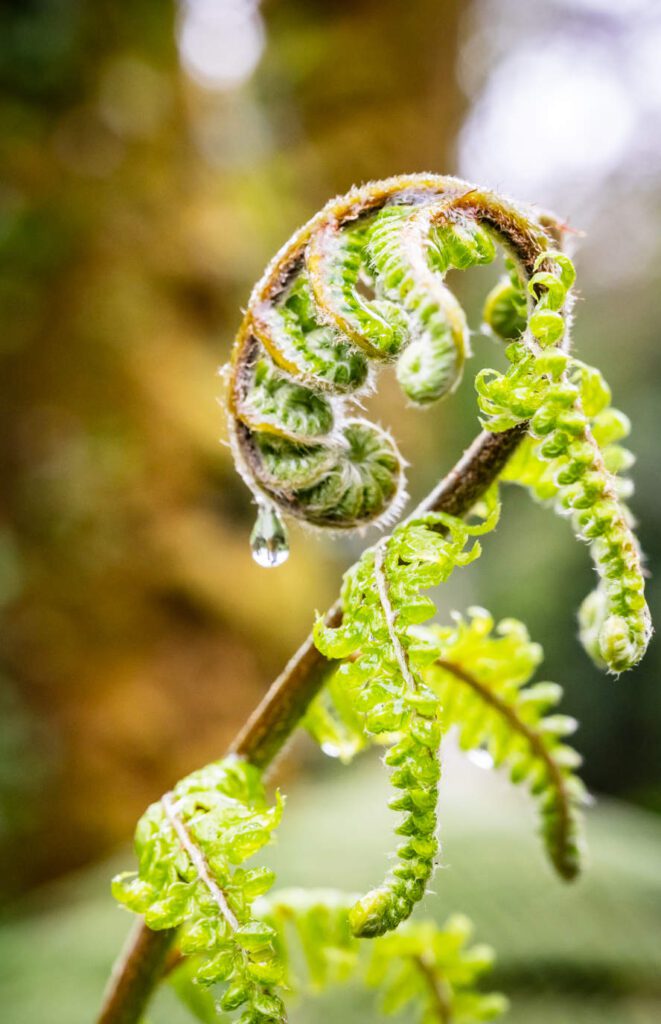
(153, 158)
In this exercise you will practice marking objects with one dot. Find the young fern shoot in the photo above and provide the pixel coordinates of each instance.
(361, 286)
(381, 675)
(190, 845)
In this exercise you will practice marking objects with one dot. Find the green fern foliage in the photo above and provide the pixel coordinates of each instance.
(559, 396)
(422, 966)
(313, 937)
(381, 675)
(362, 284)
(483, 680)
(481, 675)
(579, 476)
(506, 306)
(190, 846)
(430, 969)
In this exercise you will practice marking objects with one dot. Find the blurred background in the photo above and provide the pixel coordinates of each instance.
(153, 157)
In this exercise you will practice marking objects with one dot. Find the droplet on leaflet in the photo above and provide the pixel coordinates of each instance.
(344, 751)
(482, 758)
(268, 539)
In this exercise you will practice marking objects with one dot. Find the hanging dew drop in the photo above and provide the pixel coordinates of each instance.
(268, 539)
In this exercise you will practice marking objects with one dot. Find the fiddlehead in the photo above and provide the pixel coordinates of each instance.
(311, 335)
(399, 238)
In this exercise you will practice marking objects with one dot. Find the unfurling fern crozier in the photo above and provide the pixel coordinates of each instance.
(360, 286)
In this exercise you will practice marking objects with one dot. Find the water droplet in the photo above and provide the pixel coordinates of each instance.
(268, 539)
(343, 750)
(331, 749)
(482, 758)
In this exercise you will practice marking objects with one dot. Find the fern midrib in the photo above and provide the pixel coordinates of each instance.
(532, 736)
(199, 861)
(390, 616)
(200, 864)
(437, 989)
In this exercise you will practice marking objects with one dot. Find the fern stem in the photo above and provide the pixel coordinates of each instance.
(139, 966)
(142, 961)
(442, 1008)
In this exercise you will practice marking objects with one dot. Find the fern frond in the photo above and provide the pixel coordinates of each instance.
(614, 619)
(482, 677)
(560, 396)
(190, 845)
(432, 970)
(381, 680)
(313, 936)
(421, 965)
(360, 285)
(481, 674)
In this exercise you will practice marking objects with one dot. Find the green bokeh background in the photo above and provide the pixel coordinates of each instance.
(151, 163)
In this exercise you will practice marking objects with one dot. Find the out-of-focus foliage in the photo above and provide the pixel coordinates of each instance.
(428, 969)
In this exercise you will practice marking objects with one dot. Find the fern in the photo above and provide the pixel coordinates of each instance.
(482, 678)
(614, 619)
(314, 939)
(189, 846)
(432, 969)
(558, 395)
(310, 334)
(422, 965)
(381, 599)
(302, 348)
(360, 286)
